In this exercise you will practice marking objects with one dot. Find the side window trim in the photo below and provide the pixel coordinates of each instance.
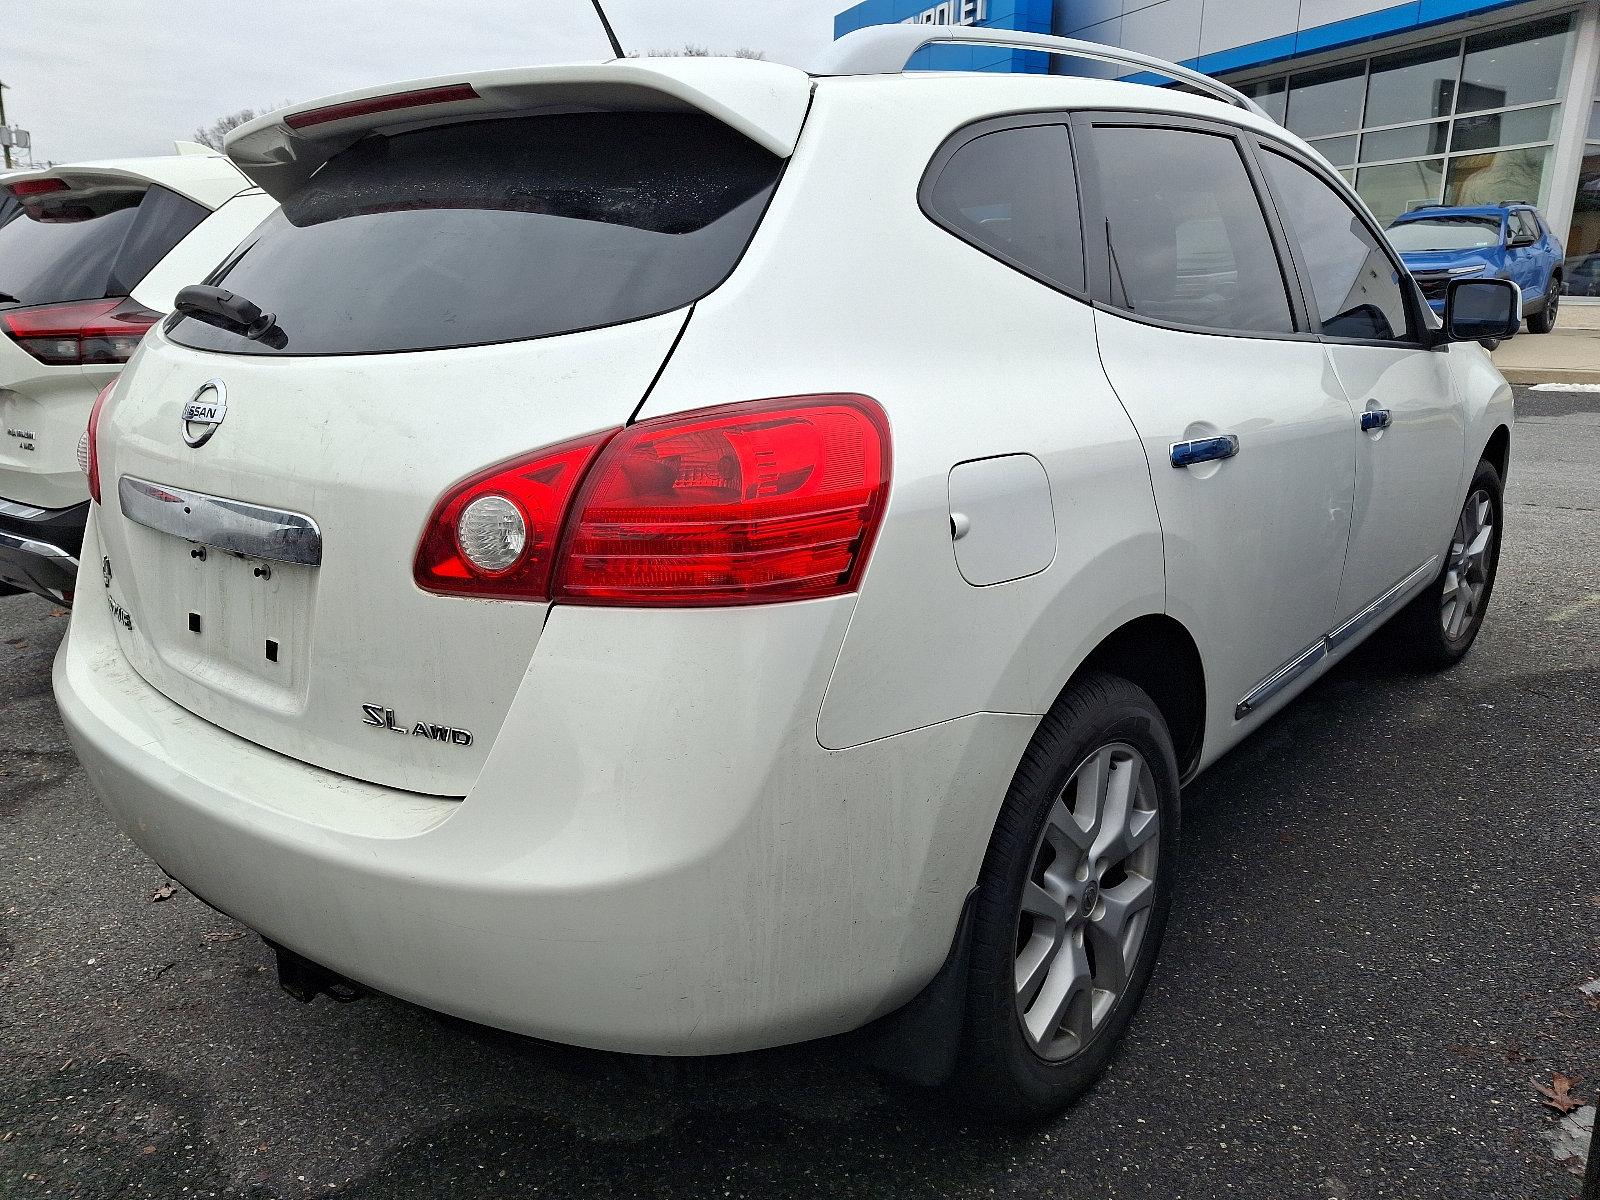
(1410, 294)
(968, 134)
(1097, 262)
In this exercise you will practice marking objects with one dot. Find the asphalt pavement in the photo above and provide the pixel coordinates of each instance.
(1390, 900)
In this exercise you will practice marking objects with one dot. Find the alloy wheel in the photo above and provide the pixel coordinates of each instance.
(1086, 901)
(1466, 578)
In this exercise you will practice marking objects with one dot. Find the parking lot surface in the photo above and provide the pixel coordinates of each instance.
(1390, 900)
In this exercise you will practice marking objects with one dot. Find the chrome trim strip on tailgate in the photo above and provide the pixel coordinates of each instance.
(232, 525)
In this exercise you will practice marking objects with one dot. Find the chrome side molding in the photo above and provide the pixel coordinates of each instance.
(1328, 643)
(251, 530)
(1381, 605)
(1282, 678)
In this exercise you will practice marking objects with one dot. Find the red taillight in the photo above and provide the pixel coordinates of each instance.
(537, 488)
(83, 331)
(448, 94)
(745, 504)
(38, 187)
(92, 464)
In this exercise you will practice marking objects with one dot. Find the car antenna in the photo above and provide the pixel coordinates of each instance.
(611, 34)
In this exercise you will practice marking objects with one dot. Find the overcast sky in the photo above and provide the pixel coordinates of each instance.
(114, 78)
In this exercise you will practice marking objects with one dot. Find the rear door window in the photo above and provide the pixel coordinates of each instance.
(1011, 193)
(1187, 241)
(497, 231)
(90, 244)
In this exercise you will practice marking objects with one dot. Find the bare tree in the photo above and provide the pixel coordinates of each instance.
(213, 134)
(693, 51)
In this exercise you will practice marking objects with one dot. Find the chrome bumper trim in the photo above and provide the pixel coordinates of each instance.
(24, 512)
(46, 568)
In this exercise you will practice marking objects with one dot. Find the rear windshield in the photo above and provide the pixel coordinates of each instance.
(497, 231)
(1445, 233)
(89, 245)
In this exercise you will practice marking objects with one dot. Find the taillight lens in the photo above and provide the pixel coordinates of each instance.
(495, 535)
(84, 331)
(90, 460)
(745, 504)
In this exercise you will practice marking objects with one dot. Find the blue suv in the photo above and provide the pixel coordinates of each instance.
(1505, 241)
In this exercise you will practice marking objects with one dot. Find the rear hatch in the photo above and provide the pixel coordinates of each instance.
(446, 298)
(80, 241)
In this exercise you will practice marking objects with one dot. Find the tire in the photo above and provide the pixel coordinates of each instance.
(1544, 320)
(1438, 636)
(1102, 728)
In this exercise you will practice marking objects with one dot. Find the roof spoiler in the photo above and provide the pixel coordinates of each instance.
(207, 179)
(764, 101)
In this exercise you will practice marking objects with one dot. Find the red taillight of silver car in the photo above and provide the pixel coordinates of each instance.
(745, 504)
(81, 331)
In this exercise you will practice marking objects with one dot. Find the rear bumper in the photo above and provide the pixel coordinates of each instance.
(39, 548)
(658, 857)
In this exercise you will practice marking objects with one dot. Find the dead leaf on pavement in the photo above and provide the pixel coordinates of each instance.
(165, 892)
(222, 935)
(58, 612)
(1558, 1094)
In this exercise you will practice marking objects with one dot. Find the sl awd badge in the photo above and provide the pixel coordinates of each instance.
(204, 413)
(379, 717)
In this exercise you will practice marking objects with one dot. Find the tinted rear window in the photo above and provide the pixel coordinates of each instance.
(1012, 193)
(89, 245)
(498, 231)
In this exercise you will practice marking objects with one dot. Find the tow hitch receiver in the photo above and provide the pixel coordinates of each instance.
(305, 980)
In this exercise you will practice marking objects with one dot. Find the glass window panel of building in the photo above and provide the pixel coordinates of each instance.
(1466, 121)
(1583, 240)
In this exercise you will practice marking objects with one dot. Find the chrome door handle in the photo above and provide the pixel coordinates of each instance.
(1211, 449)
(1375, 418)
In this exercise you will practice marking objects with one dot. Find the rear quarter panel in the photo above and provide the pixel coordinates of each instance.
(850, 287)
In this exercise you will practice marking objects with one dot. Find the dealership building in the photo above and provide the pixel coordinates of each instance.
(1430, 101)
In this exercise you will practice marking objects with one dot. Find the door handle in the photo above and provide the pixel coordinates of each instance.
(1374, 419)
(1211, 449)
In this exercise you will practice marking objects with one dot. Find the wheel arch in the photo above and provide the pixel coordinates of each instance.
(1497, 451)
(1158, 655)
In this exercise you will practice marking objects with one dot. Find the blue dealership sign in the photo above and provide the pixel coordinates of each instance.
(1027, 16)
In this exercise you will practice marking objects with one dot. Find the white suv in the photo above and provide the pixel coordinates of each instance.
(685, 556)
(91, 255)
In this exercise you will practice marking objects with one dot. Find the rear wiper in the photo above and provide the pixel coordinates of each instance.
(215, 306)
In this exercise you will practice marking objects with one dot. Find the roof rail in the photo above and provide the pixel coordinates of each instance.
(886, 49)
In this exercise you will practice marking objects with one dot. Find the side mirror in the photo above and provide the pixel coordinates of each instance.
(1475, 309)
(1522, 239)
